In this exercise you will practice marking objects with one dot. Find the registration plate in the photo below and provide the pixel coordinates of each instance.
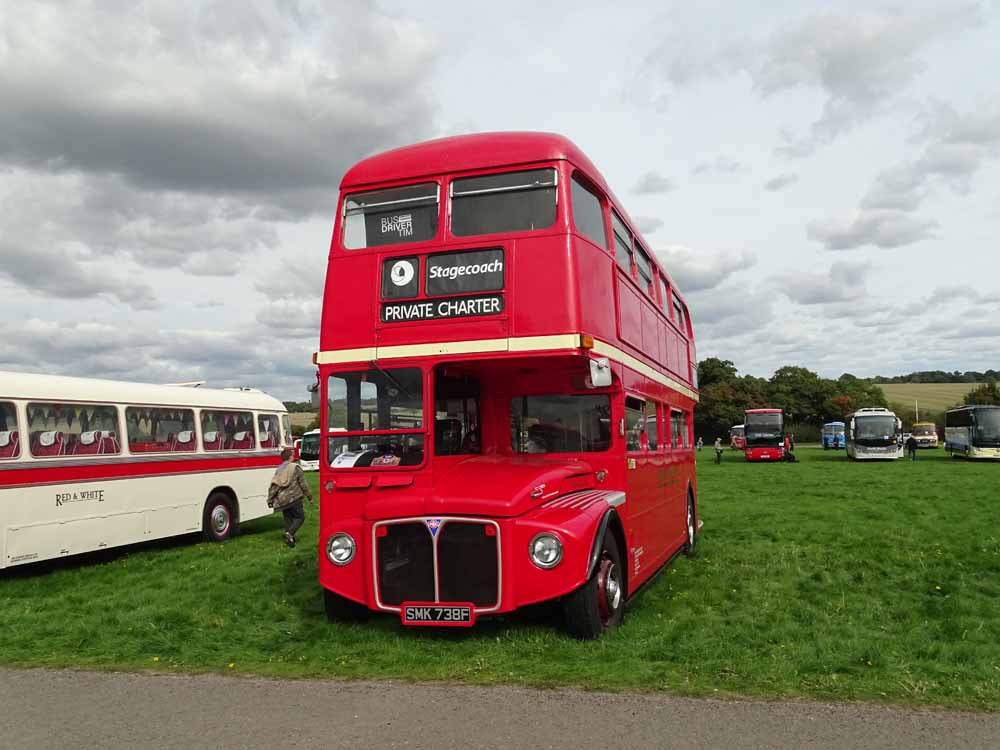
(440, 615)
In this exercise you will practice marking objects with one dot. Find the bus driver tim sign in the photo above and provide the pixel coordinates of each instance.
(445, 274)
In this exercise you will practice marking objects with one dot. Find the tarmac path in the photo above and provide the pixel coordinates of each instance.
(74, 709)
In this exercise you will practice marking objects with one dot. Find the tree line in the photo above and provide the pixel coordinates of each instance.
(940, 376)
(808, 400)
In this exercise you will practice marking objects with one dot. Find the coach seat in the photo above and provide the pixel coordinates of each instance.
(242, 440)
(47, 443)
(212, 440)
(9, 444)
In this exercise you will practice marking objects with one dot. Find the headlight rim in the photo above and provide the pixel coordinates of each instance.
(559, 546)
(329, 545)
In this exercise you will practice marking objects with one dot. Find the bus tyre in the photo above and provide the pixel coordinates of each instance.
(691, 545)
(342, 609)
(599, 604)
(219, 522)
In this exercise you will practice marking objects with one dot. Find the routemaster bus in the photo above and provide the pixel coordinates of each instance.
(92, 464)
(507, 384)
(736, 437)
(874, 433)
(764, 431)
(973, 432)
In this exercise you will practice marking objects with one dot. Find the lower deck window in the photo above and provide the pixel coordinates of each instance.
(375, 451)
(560, 424)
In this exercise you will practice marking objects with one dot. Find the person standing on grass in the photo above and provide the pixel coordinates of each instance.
(700, 443)
(288, 487)
(911, 448)
(718, 450)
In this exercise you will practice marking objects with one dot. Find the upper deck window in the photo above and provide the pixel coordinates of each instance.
(588, 216)
(623, 243)
(391, 216)
(645, 268)
(664, 296)
(508, 202)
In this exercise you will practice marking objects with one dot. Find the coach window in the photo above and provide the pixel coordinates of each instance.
(227, 430)
(392, 216)
(159, 430)
(72, 430)
(286, 428)
(268, 430)
(10, 437)
(623, 243)
(635, 423)
(588, 216)
(508, 202)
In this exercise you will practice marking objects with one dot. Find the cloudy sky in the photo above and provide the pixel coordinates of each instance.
(823, 184)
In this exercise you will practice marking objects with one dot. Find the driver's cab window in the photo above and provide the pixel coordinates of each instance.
(635, 423)
(456, 415)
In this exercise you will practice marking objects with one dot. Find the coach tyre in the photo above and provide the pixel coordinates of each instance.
(219, 522)
(599, 604)
(341, 609)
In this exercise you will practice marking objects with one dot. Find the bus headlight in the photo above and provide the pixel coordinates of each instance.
(340, 549)
(545, 550)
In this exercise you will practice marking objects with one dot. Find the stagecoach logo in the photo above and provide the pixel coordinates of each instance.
(467, 271)
(62, 498)
(402, 272)
(433, 524)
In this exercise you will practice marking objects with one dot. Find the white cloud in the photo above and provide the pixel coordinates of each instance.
(652, 183)
(881, 228)
(695, 271)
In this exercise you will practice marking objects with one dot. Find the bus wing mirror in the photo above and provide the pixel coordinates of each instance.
(600, 372)
(314, 395)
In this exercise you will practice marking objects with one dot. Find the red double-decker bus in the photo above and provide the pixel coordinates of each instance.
(764, 434)
(507, 387)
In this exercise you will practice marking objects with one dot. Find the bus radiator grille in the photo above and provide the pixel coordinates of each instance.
(405, 564)
(467, 564)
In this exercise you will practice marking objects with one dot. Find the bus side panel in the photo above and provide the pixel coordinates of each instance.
(542, 271)
(597, 300)
(56, 520)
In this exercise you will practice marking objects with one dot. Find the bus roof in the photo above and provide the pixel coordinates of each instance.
(833, 424)
(35, 387)
(761, 411)
(467, 152)
(495, 150)
(974, 406)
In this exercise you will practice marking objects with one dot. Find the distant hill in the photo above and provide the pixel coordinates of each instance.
(931, 396)
(302, 418)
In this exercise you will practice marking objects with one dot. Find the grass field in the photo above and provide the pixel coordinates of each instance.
(302, 418)
(824, 579)
(931, 396)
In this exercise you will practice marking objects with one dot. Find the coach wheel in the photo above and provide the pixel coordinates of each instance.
(342, 609)
(599, 604)
(220, 522)
(692, 539)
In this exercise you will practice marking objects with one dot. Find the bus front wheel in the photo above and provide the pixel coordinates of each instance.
(219, 522)
(342, 609)
(599, 604)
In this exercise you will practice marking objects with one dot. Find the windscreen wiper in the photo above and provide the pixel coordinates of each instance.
(392, 380)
